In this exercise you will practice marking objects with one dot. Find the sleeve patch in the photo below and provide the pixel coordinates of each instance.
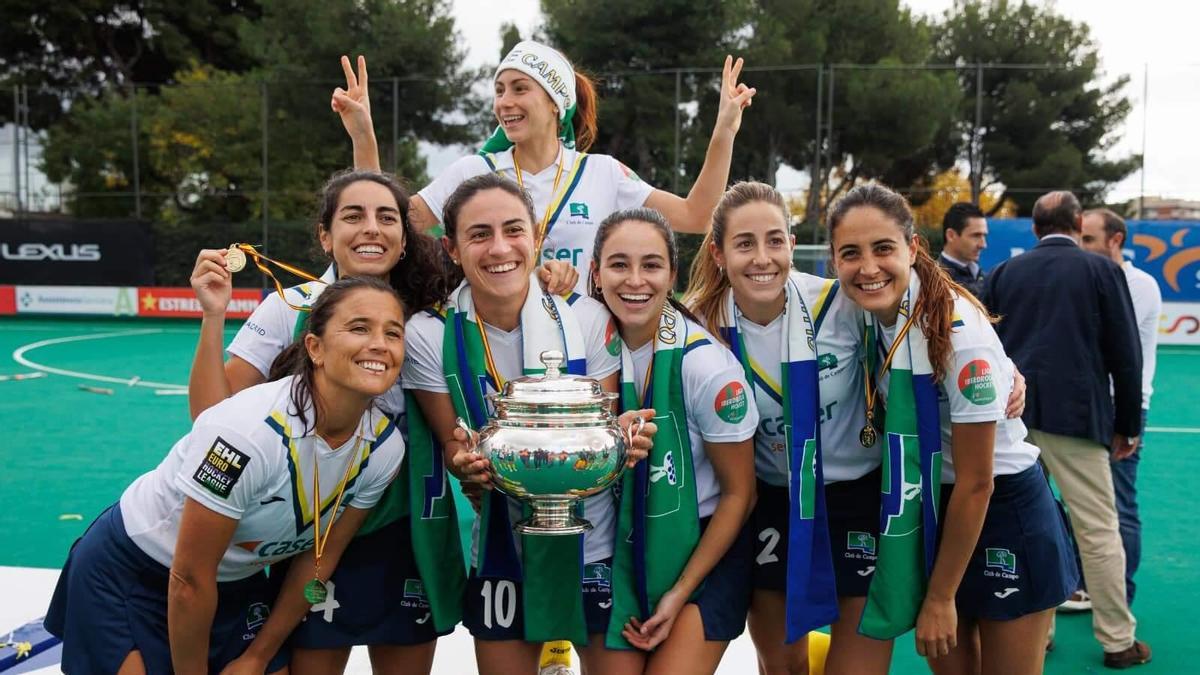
(222, 467)
(730, 404)
(975, 382)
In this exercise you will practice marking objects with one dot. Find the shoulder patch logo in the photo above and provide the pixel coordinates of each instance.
(612, 338)
(222, 467)
(976, 383)
(730, 404)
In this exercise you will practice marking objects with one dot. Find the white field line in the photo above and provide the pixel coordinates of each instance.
(18, 355)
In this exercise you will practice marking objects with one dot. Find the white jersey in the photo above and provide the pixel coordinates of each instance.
(1147, 306)
(711, 375)
(978, 380)
(272, 327)
(585, 197)
(423, 370)
(250, 458)
(842, 414)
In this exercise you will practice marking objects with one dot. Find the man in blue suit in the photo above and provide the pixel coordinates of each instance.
(1068, 323)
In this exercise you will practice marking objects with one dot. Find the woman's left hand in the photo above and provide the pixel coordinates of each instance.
(735, 97)
(643, 439)
(657, 628)
(1016, 398)
(558, 277)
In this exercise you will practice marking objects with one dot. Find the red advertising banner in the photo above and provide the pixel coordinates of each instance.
(182, 302)
(8, 300)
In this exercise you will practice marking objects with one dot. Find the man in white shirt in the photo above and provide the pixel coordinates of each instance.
(1104, 232)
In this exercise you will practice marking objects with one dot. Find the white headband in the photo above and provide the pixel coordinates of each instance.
(550, 69)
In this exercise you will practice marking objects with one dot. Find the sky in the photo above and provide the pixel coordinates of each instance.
(1158, 34)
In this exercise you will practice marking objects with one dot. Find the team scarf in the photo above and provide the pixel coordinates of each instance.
(912, 470)
(552, 72)
(811, 590)
(422, 488)
(555, 563)
(658, 522)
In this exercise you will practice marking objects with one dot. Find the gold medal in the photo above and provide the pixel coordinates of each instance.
(235, 259)
(867, 436)
(315, 592)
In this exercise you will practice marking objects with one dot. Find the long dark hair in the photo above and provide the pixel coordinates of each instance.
(640, 214)
(937, 288)
(294, 360)
(706, 284)
(422, 277)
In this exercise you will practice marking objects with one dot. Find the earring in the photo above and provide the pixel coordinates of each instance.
(403, 255)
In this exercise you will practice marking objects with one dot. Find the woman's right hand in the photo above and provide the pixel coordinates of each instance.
(212, 282)
(470, 466)
(353, 104)
(937, 628)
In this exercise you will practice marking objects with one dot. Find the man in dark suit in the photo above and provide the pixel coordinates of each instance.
(964, 232)
(1068, 323)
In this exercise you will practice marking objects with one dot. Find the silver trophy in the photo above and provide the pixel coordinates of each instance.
(553, 441)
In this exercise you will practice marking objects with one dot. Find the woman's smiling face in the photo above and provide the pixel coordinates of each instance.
(874, 261)
(635, 277)
(493, 241)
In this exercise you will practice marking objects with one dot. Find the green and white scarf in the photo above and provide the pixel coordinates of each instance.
(658, 523)
(811, 593)
(912, 470)
(556, 563)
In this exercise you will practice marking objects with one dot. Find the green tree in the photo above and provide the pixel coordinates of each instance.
(201, 139)
(1042, 127)
(69, 50)
(891, 120)
(625, 39)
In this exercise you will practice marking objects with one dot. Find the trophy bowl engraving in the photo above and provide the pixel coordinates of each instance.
(553, 441)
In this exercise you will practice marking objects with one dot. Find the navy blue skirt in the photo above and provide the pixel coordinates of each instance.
(724, 596)
(375, 596)
(853, 508)
(1024, 562)
(111, 599)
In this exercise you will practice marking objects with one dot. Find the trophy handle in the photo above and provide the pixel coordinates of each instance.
(472, 435)
(629, 431)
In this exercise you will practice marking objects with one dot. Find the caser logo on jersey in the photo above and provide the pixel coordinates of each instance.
(731, 403)
(976, 383)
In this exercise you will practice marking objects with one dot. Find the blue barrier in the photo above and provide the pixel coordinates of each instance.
(1168, 250)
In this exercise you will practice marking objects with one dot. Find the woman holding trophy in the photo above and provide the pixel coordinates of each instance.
(681, 572)
(494, 328)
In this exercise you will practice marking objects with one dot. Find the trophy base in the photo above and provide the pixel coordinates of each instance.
(553, 518)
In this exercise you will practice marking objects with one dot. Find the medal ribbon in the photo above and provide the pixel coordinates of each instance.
(319, 540)
(260, 261)
(869, 384)
(539, 235)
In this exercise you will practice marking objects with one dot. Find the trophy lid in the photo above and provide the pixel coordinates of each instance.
(554, 387)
